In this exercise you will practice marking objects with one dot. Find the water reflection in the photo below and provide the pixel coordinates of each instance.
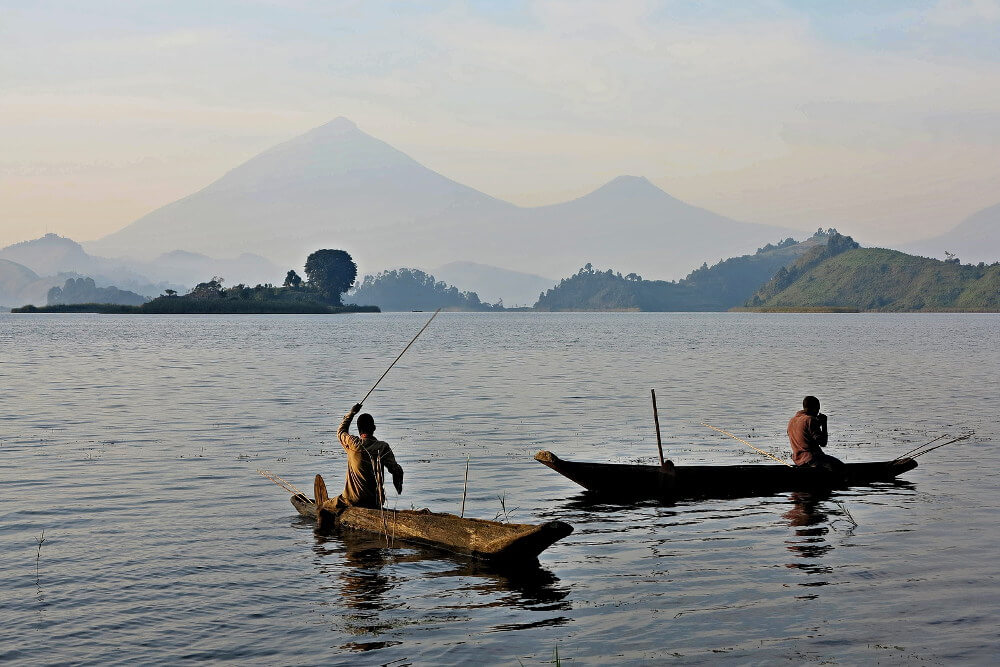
(810, 521)
(813, 515)
(380, 589)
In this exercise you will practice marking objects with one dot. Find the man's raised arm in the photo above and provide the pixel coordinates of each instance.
(345, 424)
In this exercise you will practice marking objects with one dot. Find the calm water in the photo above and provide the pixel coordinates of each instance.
(133, 442)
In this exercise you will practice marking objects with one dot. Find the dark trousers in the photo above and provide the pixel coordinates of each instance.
(826, 462)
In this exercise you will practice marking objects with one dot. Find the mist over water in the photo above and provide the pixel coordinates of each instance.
(133, 442)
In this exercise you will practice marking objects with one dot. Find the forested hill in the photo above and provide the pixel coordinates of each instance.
(412, 289)
(845, 276)
(709, 288)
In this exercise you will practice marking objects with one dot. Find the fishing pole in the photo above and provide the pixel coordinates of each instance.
(400, 355)
(950, 442)
(919, 447)
(770, 456)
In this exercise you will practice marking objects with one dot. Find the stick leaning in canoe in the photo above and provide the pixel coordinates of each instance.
(485, 540)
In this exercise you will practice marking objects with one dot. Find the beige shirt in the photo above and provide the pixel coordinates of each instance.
(367, 457)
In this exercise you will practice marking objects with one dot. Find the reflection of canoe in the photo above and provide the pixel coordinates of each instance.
(645, 481)
(487, 540)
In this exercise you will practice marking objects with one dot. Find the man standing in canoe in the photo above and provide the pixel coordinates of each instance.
(808, 435)
(367, 458)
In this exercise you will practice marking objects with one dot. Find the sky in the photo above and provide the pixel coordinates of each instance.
(879, 118)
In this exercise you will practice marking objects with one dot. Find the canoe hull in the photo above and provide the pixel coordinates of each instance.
(674, 482)
(484, 540)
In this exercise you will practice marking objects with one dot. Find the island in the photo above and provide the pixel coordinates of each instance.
(329, 274)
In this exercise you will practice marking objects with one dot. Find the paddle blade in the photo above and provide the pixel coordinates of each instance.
(319, 492)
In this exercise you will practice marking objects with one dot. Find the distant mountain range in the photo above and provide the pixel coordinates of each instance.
(337, 187)
(975, 239)
(19, 285)
(50, 260)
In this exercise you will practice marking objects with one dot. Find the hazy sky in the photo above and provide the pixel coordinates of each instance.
(880, 118)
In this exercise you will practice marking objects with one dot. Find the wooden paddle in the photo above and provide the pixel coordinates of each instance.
(321, 496)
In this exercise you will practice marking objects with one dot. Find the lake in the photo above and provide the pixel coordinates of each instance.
(133, 443)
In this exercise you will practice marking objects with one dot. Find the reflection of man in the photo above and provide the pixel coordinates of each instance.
(808, 435)
(367, 457)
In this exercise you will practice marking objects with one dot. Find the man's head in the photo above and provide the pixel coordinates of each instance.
(810, 404)
(366, 424)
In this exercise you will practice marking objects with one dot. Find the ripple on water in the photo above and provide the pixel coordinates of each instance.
(134, 443)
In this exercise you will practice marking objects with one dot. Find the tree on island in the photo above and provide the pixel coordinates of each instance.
(207, 290)
(84, 290)
(409, 289)
(292, 280)
(331, 273)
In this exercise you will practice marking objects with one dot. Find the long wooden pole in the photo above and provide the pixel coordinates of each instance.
(465, 489)
(400, 356)
(903, 456)
(656, 420)
(960, 439)
(770, 456)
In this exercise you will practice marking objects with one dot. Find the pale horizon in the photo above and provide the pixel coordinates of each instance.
(882, 122)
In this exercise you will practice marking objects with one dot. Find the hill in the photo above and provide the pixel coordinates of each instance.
(83, 290)
(845, 276)
(975, 239)
(412, 289)
(58, 256)
(19, 285)
(710, 288)
(337, 186)
(14, 280)
(49, 255)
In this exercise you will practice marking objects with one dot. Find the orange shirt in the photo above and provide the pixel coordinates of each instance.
(806, 435)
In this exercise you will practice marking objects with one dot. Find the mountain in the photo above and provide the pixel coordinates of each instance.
(709, 288)
(629, 222)
(189, 268)
(975, 239)
(493, 284)
(49, 255)
(19, 285)
(53, 255)
(330, 187)
(337, 187)
(844, 275)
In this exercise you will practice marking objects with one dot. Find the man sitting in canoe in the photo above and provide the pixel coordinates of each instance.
(808, 435)
(367, 457)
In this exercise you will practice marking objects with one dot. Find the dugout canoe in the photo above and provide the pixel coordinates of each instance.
(484, 540)
(678, 482)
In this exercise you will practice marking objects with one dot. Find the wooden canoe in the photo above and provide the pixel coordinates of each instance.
(672, 482)
(485, 540)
